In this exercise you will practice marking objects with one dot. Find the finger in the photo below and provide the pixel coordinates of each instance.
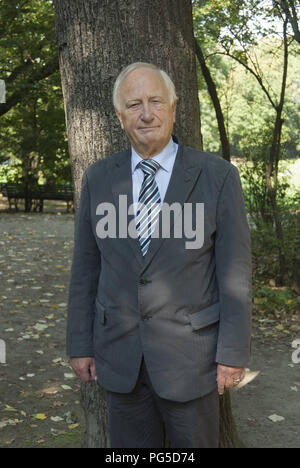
(238, 378)
(85, 375)
(221, 385)
(93, 371)
(83, 372)
(229, 384)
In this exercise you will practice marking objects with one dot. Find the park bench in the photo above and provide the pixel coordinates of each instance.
(36, 197)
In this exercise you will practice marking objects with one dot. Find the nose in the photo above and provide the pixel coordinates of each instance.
(146, 115)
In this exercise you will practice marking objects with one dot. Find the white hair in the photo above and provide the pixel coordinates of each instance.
(134, 66)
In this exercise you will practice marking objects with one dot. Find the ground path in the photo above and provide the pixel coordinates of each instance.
(39, 402)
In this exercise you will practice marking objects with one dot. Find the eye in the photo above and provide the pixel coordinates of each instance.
(156, 102)
(133, 106)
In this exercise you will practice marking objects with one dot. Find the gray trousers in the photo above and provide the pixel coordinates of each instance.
(138, 419)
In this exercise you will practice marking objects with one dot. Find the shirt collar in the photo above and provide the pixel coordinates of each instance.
(165, 158)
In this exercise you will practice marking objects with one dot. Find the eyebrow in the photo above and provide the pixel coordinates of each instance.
(138, 99)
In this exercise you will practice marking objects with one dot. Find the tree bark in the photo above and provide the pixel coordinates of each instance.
(96, 39)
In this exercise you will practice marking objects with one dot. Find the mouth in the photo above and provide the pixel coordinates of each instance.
(145, 129)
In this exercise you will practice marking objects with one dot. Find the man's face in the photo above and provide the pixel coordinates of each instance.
(146, 113)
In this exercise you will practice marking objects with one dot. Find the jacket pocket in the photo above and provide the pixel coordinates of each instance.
(205, 317)
(100, 311)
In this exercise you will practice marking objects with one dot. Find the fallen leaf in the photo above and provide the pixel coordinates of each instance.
(40, 327)
(9, 422)
(57, 404)
(55, 432)
(276, 418)
(41, 441)
(73, 426)
(69, 376)
(40, 416)
(56, 418)
(10, 409)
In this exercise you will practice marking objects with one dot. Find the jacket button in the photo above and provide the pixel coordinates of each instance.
(147, 317)
(143, 281)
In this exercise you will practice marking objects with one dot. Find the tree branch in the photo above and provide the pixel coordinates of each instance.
(37, 75)
(289, 8)
(257, 77)
(19, 70)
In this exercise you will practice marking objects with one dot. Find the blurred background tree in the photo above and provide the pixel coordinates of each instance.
(250, 50)
(33, 137)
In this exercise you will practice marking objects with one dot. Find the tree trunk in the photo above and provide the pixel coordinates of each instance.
(212, 89)
(274, 158)
(96, 39)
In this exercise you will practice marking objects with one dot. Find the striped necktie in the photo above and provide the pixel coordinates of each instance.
(148, 204)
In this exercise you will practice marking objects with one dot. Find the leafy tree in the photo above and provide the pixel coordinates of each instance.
(291, 8)
(231, 26)
(27, 47)
(33, 132)
(33, 136)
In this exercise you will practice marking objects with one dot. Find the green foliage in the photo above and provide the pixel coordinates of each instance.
(27, 37)
(265, 245)
(276, 302)
(8, 173)
(250, 32)
(243, 44)
(33, 132)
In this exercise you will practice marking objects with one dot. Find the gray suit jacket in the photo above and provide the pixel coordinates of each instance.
(185, 310)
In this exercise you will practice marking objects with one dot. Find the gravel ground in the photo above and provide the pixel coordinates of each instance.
(39, 405)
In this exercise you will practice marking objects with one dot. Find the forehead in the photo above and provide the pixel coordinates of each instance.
(143, 81)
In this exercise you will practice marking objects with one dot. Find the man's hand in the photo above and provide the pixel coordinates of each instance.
(229, 377)
(84, 368)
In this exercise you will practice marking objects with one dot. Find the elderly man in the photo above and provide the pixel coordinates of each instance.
(163, 323)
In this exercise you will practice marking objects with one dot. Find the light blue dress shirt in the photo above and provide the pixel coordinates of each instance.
(166, 159)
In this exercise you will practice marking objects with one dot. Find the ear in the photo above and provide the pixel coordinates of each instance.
(174, 107)
(120, 119)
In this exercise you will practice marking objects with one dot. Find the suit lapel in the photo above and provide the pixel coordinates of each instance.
(186, 172)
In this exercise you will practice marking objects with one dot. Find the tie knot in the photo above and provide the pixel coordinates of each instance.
(149, 166)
